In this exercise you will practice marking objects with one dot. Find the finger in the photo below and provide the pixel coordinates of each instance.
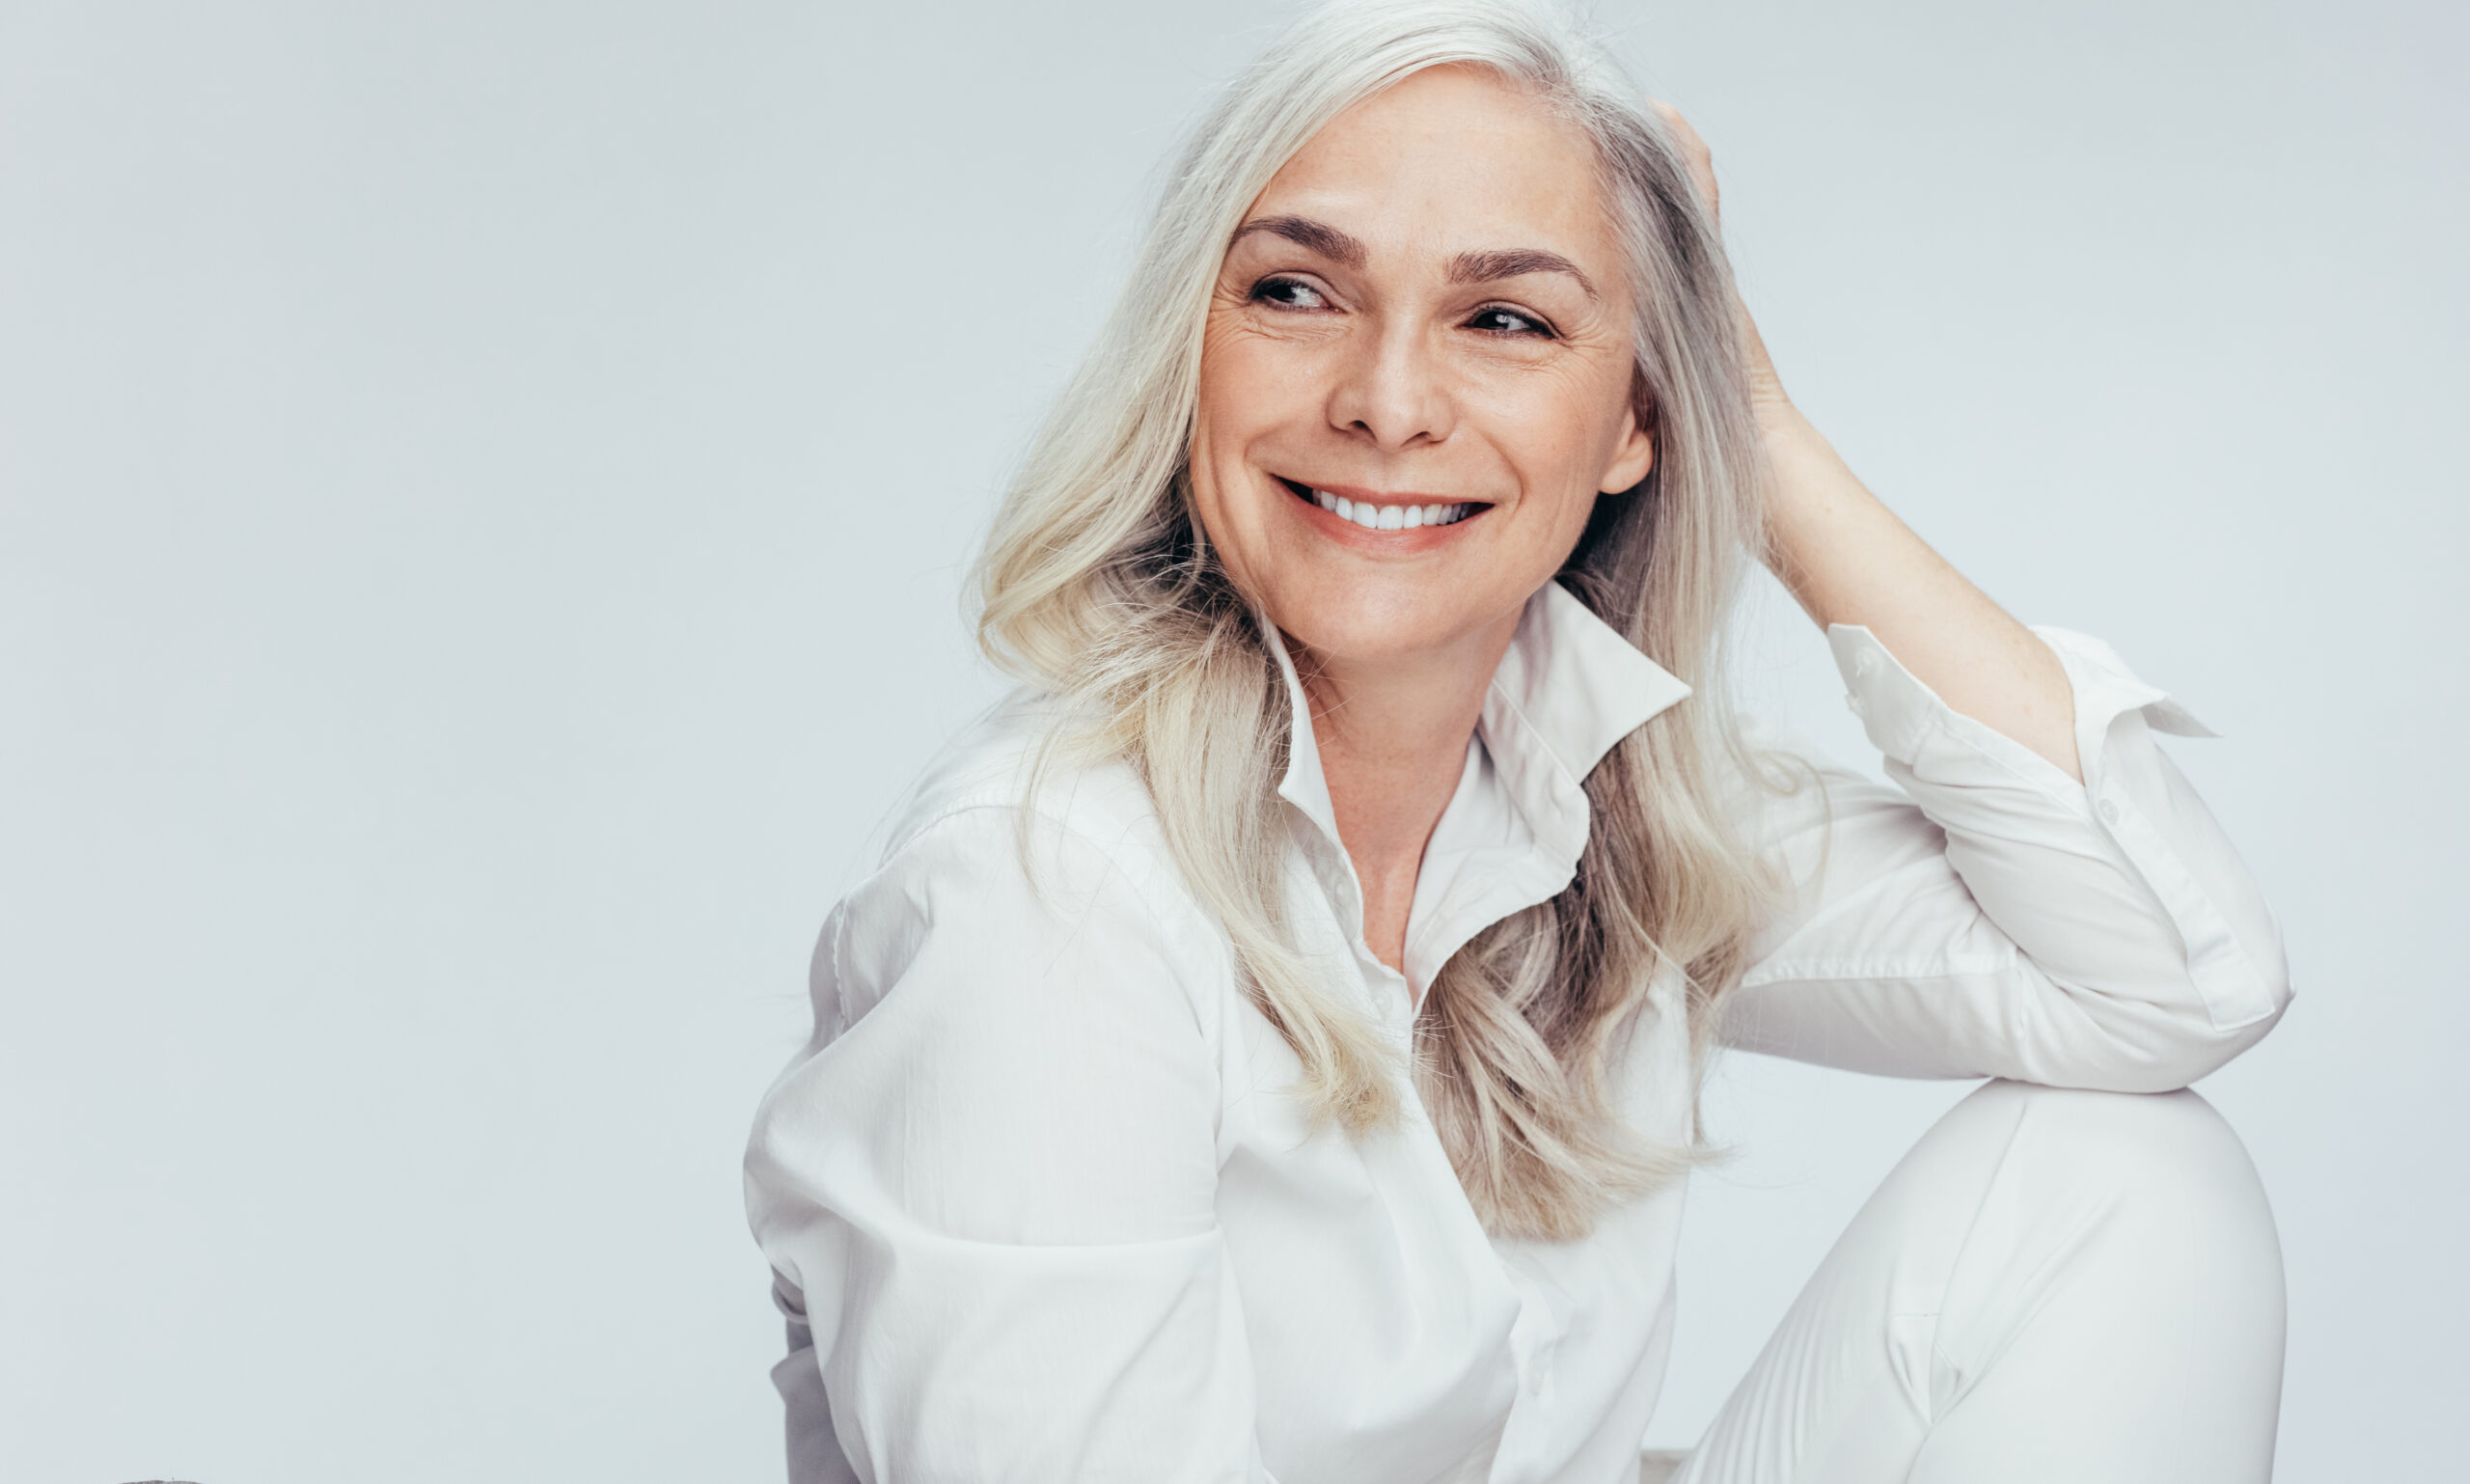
(1694, 154)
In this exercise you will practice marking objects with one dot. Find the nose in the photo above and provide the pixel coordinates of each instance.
(1392, 391)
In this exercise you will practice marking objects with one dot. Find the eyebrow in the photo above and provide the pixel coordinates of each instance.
(1483, 267)
(1303, 232)
(1472, 267)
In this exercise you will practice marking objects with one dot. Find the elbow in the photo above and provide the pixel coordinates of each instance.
(2191, 1060)
(2233, 991)
(2241, 995)
(2166, 1052)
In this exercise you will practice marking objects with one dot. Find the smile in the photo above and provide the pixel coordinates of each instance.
(1374, 514)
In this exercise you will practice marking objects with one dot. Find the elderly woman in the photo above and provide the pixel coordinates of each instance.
(1268, 1049)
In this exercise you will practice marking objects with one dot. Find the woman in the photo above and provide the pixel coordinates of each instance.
(1268, 1049)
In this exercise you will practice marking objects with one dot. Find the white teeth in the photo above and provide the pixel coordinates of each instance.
(1390, 517)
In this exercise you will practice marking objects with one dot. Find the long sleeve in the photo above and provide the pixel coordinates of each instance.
(1992, 916)
(987, 1188)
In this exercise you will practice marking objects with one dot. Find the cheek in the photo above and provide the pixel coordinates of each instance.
(1244, 376)
(1580, 435)
(1254, 395)
(1238, 405)
(1563, 445)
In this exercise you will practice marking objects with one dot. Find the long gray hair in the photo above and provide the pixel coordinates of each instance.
(1099, 584)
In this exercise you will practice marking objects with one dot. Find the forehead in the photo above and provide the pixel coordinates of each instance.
(1448, 160)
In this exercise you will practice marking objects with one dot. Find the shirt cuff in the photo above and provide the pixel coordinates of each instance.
(1901, 714)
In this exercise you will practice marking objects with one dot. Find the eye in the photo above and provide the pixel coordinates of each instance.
(1500, 319)
(1288, 293)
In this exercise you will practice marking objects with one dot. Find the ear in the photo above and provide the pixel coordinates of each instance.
(1632, 456)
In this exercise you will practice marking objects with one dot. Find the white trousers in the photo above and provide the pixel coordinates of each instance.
(2052, 1286)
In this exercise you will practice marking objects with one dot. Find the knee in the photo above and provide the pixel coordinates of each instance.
(2108, 1287)
(2165, 1166)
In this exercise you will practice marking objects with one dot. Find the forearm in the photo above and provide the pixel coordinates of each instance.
(1846, 559)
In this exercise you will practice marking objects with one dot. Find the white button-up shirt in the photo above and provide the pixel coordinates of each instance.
(1041, 1206)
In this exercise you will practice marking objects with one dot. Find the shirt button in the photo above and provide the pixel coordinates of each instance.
(2109, 812)
(1853, 703)
(1865, 662)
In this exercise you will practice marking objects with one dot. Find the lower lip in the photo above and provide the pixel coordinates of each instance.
(1403, 542)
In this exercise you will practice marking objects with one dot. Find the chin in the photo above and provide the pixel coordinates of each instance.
(1368, 628)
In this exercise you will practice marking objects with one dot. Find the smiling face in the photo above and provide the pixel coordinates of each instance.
(1416, 374)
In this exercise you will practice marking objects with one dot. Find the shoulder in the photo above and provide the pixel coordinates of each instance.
(1019, 1029)
(1021, 859)
(1005, 771)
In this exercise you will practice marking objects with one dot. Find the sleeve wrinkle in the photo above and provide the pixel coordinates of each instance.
(994, 1188)
(2052, 930)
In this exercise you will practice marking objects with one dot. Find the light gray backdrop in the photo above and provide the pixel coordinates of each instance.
(483, 489)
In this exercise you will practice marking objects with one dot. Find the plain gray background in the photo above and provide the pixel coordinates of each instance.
(484, 490)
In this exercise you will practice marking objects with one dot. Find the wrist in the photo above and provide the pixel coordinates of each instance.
(1768, 402)
(1794, 447)
(1809, 490)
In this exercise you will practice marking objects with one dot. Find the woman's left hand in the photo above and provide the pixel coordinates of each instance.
(1846, 559)
(1765, 391)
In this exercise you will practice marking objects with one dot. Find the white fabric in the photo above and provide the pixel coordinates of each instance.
(2054, 1287)
(1036, 1198)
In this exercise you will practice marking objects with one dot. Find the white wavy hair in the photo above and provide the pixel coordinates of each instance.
(1097, 583)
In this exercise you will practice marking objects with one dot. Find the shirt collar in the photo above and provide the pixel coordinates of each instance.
(1568, 688)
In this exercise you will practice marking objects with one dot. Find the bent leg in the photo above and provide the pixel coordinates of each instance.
(2054, 1285)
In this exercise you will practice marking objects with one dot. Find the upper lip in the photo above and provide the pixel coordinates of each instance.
(1362, 496)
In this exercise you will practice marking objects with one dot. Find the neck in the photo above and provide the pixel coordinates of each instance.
(1393, 737)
